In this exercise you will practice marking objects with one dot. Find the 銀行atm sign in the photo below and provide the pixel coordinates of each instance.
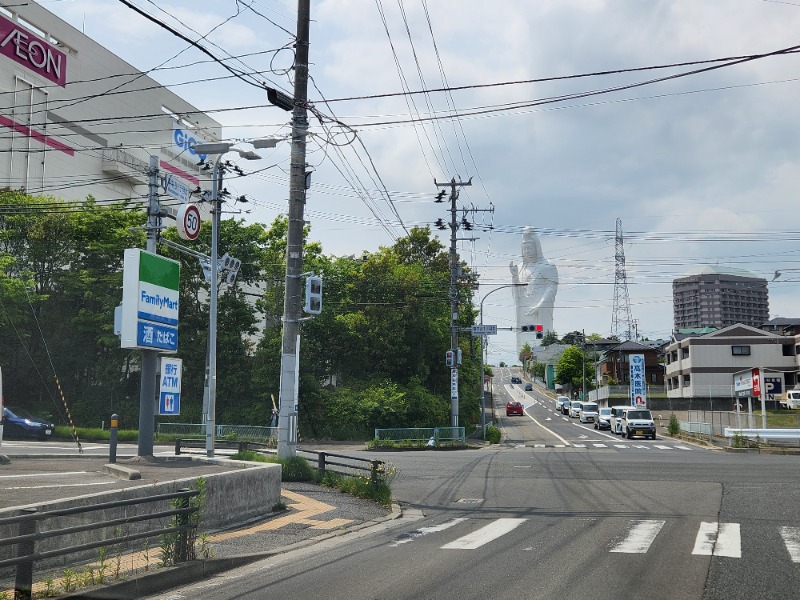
(32, 52)
(149, 301)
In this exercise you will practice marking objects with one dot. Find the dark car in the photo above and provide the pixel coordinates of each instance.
(516, 379)
(18, 423)
(528, 387)
(514, 408)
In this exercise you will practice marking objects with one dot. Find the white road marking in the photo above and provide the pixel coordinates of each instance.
(719, 539)
(660, 447)
(66, 485)
(600, 445)
(422, 531)
(641, 446)
(791, 538)
(579, 445)
(43, 474)
(623, 446)
(639, 537)
(485, 534)
(682, 447)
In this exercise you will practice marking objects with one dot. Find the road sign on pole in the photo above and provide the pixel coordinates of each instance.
(484, 330)
(176, 188)
(187, 220)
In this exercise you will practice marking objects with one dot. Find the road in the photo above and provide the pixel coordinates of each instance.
(557, 511)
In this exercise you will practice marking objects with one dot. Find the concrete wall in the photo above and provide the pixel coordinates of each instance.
(232, 498)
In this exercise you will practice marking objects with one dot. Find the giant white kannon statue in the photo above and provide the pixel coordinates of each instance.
(535, 301)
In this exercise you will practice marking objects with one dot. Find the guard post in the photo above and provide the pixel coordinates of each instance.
(112, 439)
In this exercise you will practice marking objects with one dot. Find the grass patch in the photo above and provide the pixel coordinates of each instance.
(415, 445)
(362, 486)
(294, 468)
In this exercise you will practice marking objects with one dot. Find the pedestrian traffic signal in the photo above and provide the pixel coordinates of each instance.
(313, 305)
(450, 358)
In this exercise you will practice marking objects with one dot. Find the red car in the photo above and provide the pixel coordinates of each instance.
(514, 408)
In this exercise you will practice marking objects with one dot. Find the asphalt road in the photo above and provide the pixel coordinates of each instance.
(536, 517)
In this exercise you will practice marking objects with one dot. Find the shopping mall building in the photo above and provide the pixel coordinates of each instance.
(76, 120)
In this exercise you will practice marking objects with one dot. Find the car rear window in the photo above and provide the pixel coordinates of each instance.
(590, 407)
(639, 414)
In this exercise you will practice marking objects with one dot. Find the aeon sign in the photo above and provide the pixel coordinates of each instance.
(32, 52)
(186, 142)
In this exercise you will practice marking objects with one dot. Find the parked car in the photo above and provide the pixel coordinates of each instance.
(588, 412)
(514, 408)
(603, 420)
(638, 422)
(616, 418)
(516, 380)
(575, 408)
(528, 387)
(18, 423)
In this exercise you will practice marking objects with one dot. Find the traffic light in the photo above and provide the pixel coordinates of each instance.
(313, 305)
(538, 329)
(450, 358)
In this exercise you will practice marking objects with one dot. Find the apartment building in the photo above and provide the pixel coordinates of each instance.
(714, 296)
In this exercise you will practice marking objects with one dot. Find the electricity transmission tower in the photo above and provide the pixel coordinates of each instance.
(621, 320)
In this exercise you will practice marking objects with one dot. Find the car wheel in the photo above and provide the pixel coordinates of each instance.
(595, 426)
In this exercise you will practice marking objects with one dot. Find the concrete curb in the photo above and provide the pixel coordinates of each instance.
(165, 579)
(121, 472)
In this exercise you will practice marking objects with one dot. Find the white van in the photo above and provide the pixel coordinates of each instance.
(791, 400)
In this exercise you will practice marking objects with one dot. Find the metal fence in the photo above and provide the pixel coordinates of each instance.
(422, 434)
(720, 420)
(239, 432)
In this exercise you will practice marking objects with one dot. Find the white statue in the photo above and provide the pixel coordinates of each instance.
(535, 301)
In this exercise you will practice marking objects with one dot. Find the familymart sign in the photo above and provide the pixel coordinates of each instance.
(149, 301)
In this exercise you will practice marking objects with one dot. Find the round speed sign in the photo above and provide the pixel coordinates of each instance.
(188, 221)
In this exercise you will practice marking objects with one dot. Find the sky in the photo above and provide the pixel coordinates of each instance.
(550, 108)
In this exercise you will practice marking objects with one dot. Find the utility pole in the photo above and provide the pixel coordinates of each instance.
(290, 344)
(147, 382)
(455, 273)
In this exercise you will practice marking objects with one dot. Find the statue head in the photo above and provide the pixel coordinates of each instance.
(531, 246)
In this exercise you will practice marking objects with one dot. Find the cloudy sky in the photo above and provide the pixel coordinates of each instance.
(701, 168)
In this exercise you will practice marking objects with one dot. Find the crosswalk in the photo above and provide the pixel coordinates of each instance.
(606, 445)
(712, 538)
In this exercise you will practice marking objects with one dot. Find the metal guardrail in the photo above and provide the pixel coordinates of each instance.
(422, 434)
(28, 534)
(764, 434)
(354, 466)
(244, 432)
(238, 445)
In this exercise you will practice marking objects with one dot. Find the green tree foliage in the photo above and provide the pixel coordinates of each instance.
(569, 369)
(549, 338)
(373, 358)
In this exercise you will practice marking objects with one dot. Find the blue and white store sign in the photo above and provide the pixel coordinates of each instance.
(169, 398)
(638, 381)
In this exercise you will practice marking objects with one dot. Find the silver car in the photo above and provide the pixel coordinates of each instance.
(588, 413)
(603, 420)
(575, 408)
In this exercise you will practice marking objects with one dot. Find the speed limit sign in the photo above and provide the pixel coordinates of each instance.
(188, 221)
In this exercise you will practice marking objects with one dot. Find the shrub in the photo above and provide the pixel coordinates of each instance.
(674, 427)
(294, 468)
(493, 434)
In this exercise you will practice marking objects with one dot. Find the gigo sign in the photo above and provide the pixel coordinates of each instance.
(186, 142)
(149, 301)
(32, 52)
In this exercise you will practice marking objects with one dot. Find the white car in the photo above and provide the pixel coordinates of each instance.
(575, 408)
(639, 422)
(588, 412)
(617, 412)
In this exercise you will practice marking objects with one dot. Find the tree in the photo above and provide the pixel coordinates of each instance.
(550, 337)
(569, 369)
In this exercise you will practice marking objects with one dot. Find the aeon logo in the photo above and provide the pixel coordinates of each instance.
(187, 142)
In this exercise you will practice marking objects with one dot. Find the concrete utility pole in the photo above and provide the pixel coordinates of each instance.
(454, 274)
(290, 344)
(147, 382)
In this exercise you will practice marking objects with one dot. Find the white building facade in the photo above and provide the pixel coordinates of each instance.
(701, 368)
(76, 120)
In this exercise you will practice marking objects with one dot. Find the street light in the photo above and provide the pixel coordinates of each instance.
(218, 148)
(482, 338)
